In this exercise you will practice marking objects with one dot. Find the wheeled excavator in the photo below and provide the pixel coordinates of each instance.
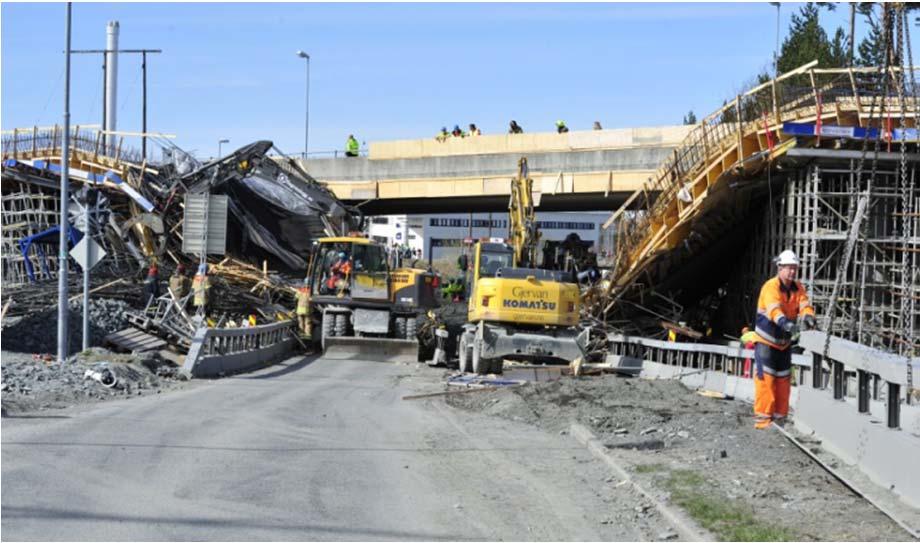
(517, 311)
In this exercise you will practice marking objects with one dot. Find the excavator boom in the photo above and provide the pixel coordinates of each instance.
(523, 234)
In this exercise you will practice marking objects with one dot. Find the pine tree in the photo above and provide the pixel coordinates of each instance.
(870, 48)
(690, 118)
(808, 41)
(840, 48)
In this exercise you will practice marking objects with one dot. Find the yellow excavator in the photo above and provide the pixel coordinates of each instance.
(516, 310)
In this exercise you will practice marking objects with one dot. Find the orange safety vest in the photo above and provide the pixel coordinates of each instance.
(777, 302)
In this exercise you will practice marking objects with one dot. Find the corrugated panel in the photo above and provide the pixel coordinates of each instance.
(193, 223)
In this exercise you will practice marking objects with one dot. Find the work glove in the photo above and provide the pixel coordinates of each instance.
(810, 322)
(788, 326)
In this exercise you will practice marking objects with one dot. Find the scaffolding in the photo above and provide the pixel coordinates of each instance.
(878, 291)
(27, 210)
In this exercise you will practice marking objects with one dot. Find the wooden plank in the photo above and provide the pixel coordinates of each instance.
(452, 392)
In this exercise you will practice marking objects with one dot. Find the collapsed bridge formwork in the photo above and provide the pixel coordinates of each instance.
(781, 166)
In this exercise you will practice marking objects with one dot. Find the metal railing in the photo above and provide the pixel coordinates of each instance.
(727, 359)
(872, 368)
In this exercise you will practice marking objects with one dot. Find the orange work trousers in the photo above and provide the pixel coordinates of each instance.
(771, 399)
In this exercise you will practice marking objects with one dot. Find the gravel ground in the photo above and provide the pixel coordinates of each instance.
(661, 429)
(34, 383)
(37, 333)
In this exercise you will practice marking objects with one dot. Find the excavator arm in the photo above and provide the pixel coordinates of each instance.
(523, 233)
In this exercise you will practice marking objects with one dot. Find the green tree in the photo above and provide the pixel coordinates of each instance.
(871, 52)
(840, 46)
(808, 41)
(690, 118)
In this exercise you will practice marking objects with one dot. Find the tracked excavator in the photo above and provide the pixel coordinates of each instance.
(517, 311)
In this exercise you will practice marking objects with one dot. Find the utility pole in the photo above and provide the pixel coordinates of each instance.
(105, 69)
(63, 307)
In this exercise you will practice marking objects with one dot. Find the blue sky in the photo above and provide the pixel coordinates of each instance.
(386, 71)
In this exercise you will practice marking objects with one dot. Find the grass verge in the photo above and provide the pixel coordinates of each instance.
(727, 520)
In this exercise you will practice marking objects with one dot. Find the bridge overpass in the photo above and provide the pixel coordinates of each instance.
(591, 170)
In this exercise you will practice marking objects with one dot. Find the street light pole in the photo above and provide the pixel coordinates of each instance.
(63, 308)
(306, 127)
(776, 51)
(219, 144)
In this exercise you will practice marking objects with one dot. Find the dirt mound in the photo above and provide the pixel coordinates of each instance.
(670, 435)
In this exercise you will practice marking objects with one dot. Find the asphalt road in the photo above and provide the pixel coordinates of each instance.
(310, 449)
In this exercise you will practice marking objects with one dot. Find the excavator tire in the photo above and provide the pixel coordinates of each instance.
(496, 365)
(479, 365)
(328, 328)
(465, 354)
(411, 328)
(341, 325)
(400, 324)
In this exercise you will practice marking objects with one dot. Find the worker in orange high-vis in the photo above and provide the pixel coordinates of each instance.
(782, 301)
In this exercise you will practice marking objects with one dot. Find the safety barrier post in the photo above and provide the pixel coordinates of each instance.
(839, 374)
(863, 390)
(817, 369)
(894, 405)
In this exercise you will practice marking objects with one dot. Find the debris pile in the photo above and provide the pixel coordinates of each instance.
(138, 214)
(36, 382)
(37, 332)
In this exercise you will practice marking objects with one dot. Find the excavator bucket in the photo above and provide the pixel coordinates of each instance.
(371, 348)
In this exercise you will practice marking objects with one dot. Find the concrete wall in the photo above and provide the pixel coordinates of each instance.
(530, 143)
(645, 159)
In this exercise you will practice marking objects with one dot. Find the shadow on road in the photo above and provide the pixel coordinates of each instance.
(304, 531)
(288, 366)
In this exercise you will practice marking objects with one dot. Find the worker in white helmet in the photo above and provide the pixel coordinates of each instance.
(782, 301)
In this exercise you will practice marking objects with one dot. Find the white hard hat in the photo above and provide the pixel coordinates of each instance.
(787, 258)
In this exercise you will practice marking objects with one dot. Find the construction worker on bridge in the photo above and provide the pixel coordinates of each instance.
(782, 301)
(561, 128)
(179, 283)
(351, 146)
(201, 286)
(303, 307)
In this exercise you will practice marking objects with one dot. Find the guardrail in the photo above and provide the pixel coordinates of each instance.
(876, 430)
(879, 432)
(871, 366)
(217, 351)
(702, 356)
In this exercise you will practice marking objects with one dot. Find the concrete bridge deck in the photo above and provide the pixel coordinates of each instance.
(574, 171)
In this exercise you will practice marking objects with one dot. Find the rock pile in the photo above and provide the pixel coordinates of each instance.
(31, 382)
(37, 332)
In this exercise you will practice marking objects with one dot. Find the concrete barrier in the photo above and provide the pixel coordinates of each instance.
(218, 351)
